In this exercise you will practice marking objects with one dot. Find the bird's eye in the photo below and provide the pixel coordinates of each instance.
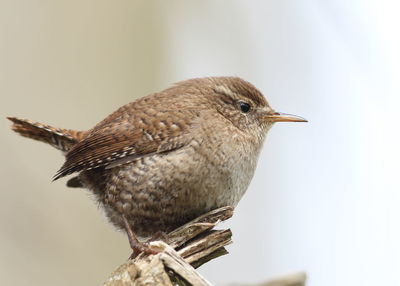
(244, 107)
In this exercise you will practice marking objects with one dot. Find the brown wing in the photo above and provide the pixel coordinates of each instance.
(121, 139)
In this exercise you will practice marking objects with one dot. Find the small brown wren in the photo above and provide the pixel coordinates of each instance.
(166, 158)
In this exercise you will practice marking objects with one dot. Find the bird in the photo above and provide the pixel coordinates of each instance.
(168, 157)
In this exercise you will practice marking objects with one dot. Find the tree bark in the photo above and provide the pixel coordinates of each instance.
(183, 250)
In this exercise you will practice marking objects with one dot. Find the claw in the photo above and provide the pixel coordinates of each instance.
(137, 246)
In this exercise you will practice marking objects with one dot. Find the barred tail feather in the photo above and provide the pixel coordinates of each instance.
(61, 139)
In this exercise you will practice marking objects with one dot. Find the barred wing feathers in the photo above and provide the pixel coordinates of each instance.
(121, 139)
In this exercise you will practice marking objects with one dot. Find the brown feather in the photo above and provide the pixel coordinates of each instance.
(61, 139)
(127, 137)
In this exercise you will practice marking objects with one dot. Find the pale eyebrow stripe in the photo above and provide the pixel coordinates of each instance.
(226, 91)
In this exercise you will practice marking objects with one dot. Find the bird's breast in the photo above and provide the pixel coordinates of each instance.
(228, 165)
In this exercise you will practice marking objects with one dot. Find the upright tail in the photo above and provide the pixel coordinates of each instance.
(62, 139)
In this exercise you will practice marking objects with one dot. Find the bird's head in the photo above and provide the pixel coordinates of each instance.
(245, 106)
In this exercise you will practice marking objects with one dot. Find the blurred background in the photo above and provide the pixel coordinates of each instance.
(325, 198)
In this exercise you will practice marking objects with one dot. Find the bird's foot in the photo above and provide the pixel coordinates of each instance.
(141, 247)
(136, 245)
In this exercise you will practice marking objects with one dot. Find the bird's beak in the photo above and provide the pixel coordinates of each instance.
(283, 117)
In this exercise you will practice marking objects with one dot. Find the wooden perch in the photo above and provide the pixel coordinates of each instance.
(185, 249)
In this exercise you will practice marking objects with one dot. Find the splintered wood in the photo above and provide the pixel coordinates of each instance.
(183, 250)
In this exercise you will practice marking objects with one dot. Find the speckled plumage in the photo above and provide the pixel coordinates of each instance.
(169, 157)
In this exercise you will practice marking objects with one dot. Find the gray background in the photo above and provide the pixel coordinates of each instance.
(326, 194)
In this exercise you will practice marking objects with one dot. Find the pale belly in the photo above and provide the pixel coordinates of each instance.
(162, 192)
